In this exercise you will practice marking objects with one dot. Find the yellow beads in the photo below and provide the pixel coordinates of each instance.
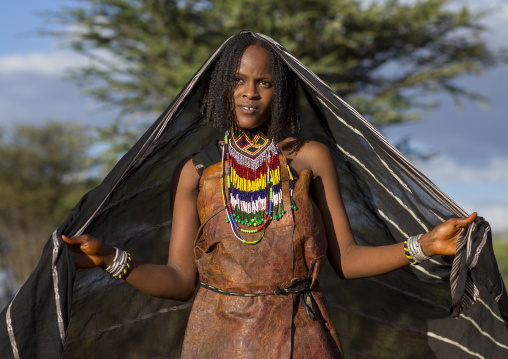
(247, 185)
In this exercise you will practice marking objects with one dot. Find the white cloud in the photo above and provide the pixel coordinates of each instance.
(34, 89)
(52, 63)
(497, 217)
(495, 213)
(445, 169)
(32, 97)
(475, 187)
(497, 23)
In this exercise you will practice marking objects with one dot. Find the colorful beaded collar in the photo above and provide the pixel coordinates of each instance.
(251, 182)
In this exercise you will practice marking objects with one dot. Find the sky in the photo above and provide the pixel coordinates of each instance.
(472, 142)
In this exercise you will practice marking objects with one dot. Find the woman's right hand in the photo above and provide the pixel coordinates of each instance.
(89, 252)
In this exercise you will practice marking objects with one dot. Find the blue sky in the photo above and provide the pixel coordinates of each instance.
(472, 167)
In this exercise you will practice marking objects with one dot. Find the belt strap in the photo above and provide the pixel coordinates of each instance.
(300, 285)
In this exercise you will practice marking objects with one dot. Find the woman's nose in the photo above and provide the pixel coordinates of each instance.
(250, 90)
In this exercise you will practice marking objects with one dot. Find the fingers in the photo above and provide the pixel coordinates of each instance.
(67, 239)
(463, 222)
(73, 240)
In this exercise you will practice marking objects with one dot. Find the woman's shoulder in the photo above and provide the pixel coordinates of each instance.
(305, 154)
(299, 147)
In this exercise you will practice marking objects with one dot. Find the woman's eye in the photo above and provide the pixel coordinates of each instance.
(265, 83)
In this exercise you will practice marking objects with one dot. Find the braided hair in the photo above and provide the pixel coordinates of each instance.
(217, 106)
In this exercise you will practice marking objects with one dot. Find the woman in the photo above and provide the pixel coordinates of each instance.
(248, 303)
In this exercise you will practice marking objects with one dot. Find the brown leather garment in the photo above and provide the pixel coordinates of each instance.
(273, 326)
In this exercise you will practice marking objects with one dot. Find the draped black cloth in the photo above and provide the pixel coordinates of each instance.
(87, 314)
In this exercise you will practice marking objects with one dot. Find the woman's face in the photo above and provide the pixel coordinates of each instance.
(253, 88)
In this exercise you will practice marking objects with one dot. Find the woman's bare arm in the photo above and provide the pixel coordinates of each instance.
(347, 258)
(176, 280)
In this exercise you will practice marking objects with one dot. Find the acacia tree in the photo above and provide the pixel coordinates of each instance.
(42, 176)
(381, 56)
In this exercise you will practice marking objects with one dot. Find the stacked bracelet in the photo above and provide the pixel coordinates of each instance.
(121, 264)
(413, 250)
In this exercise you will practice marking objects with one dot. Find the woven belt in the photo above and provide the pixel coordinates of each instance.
(300, 285)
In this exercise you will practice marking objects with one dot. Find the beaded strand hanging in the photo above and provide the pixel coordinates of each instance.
(251, 182)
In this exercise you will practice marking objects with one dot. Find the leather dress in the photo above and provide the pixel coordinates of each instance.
(260, 326)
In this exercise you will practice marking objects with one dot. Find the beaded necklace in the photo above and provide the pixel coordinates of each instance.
(251, 182)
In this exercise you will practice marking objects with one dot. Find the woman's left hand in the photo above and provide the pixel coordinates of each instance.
(443, 238)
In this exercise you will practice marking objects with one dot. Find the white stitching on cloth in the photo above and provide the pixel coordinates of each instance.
(10, 329)
(406, 327)
(132, 321)
(437, 305)
(415, 217)
(480, 300)
(55, 287)
(479, 248)
(483, 332)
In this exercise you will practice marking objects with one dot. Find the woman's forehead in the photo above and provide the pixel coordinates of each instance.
(255, 60)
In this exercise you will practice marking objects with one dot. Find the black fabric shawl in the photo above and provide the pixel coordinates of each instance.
(88, 314)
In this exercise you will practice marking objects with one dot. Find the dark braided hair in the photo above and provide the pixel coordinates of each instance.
(217, 105)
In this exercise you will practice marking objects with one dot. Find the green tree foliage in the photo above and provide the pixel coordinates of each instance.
(42, 176)
(383, 57)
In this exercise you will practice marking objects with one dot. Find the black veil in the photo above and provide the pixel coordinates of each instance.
(80, 314)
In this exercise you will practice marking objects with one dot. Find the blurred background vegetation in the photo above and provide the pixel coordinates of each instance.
(501, 251)
(384, 57)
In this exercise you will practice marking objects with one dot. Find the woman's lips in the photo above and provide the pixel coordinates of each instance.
(248, 109)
